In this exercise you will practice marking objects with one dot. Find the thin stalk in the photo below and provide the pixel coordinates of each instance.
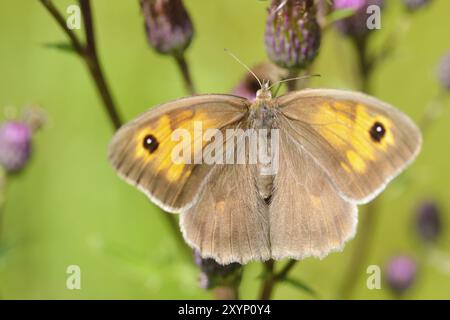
(88, 54)
(368, 223)
(273, 278)
(93, 63)
(183, 66)
(292, 85)
(361, 250)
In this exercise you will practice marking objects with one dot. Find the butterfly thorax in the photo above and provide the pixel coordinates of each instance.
(262, 111)
(262, 117)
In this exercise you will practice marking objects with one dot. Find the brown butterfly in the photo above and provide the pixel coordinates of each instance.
(336, 149)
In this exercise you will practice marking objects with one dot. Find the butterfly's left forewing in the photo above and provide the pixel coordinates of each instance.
(360, 142)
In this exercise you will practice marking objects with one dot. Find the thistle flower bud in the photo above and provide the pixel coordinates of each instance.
(444, 72)
(248, 86)
(355, 25)
(213, 273)
(413, 5)
(428, 221)
(15, 145)
(168, 25)
(400, 274)
(292, 36)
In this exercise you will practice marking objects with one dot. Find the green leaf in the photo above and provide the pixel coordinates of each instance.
(63, 46)
(340, 14)
(301, 286)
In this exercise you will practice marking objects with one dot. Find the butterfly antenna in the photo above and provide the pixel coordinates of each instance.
(293, 79)
(245, 66)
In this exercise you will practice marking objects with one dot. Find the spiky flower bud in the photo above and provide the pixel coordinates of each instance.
(413, 5)
(444, 71)
(356, 24)
(15, 145)
(248, 86)
(428, 221)
(292, 36)
(400, 274)
(168, 25)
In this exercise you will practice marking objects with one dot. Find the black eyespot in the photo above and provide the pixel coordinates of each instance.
(377, 132)
(150, 143)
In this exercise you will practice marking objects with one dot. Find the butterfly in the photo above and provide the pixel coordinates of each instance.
(336, 150)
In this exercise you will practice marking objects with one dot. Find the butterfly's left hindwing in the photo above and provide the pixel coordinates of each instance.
(360, 142)
(141, 151)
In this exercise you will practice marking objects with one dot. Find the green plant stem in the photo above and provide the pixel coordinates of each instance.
(93, 63)
(88, 54)
(367, 225)
(292, 85)
(183, 66)
(272, 278)
(360, 252)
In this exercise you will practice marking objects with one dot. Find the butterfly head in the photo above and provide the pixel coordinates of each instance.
(264, 93)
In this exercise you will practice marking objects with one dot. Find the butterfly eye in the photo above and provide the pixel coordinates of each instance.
(377, 132)
(150, 143)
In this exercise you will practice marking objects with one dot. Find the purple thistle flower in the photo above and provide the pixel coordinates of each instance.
(444, 71)
(293, 35)
(428, 221)
(15, 145)
(355, 25)
(400, 274)
(168, 25)
(414, 5)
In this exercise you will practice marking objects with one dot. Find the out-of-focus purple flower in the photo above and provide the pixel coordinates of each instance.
(292, 36)
(355, 25)
(444, 71)
(414, 5)
(15, 145)
(248, 85)
(428, 222)
(400, 274)
(212, 272)
(168, 25)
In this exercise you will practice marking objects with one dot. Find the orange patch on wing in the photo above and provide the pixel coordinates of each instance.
(162, 158)
(352, 133)
(356, 161)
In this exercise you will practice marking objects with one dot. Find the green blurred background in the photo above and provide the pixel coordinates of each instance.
(69, 207)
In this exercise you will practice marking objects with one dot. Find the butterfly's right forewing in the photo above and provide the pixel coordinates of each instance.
(142, 151)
